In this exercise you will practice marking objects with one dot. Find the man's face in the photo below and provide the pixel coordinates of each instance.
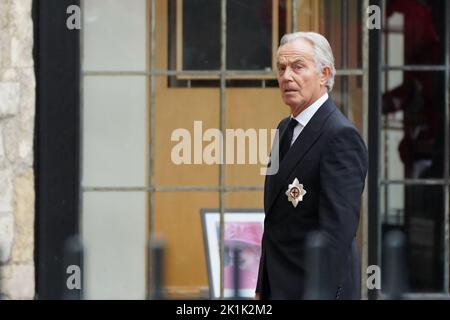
(299, 80)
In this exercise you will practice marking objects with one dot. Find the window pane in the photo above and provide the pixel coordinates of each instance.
(114, 131)
(412, 138)
(114, 35)
(114, 234)
(249, 34)
(414, 32)
(419, 211)
(201, 34)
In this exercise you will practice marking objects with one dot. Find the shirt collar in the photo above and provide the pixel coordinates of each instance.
(306, 115)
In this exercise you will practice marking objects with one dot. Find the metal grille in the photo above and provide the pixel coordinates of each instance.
(384, 182)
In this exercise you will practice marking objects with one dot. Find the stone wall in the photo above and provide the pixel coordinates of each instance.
(17, 110)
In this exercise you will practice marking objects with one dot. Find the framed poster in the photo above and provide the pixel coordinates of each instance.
(242, 229)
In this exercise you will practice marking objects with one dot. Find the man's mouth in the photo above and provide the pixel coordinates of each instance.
(289, 90)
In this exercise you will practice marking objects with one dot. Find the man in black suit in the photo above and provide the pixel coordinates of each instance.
(322, 170)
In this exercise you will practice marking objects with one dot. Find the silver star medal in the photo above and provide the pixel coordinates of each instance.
(295, 192)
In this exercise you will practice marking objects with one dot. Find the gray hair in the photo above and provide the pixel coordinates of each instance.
(323, 55)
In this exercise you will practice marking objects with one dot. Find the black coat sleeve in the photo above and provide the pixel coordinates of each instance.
(343, 169)
(261, 261)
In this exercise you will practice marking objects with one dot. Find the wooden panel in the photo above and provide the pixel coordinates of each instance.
(303, 16)
(239, 200)
(309, 15)
(178, 222)
(316, 15)
(178, 109)
(258, 109)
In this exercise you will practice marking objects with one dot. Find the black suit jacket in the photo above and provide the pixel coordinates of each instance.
(329, 158)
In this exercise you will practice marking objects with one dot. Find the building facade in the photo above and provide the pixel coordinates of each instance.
(17, 111)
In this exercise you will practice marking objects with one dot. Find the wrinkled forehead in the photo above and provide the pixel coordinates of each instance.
(294, 51)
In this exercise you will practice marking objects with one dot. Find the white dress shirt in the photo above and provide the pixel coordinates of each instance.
(306, 115)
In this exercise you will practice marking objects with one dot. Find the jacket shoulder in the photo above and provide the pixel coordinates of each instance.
(339, 129)
(338, 123)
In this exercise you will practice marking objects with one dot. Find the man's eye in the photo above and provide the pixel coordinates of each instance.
(298, 67)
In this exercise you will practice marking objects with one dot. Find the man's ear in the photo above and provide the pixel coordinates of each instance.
(324, 75)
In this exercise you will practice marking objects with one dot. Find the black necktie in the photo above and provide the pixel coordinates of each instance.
(286, 140)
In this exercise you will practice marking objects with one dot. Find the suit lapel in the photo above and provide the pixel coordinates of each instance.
(310, 133)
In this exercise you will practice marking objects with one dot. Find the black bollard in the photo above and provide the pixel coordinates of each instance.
(316, 268)
(73, 272)
(394, 273)
(156, 269)
(236, 272)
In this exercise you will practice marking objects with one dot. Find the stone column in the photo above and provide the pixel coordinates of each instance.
(17, 111)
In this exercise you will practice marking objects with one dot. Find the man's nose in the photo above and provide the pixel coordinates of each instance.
(287, 74)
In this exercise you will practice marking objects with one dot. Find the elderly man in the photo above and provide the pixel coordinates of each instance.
(322, 169)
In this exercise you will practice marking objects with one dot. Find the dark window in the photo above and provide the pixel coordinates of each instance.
(200, 35)
(195, 46)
